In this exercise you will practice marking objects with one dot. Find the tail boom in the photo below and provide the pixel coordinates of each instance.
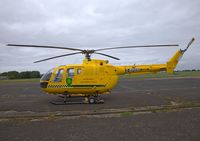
(153, 68)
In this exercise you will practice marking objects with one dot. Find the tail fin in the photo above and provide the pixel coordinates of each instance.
(171, 64)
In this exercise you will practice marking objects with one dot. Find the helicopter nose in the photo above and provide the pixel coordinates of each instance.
(43, 84)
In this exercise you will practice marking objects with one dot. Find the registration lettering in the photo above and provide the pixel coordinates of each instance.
(130, 70)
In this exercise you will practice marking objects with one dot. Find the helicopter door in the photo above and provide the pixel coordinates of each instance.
(70, 76)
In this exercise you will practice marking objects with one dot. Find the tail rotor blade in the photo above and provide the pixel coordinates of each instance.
(189, 44)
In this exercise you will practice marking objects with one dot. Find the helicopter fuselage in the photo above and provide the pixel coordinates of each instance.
(94, 77)
(91, 77)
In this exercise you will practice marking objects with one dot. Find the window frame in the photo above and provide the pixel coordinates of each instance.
(47, 76)
(57, 77)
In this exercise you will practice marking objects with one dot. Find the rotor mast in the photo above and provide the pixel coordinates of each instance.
(88, 54)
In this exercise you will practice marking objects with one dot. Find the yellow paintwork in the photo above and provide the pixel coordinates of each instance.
(153, 68)
(99, 77)
(96, 77)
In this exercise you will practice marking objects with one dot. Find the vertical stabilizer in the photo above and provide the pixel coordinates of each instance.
(171, 64)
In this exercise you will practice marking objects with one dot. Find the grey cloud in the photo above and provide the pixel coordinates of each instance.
(94, 24)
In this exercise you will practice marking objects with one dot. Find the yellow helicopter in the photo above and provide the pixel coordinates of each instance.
(94, 77)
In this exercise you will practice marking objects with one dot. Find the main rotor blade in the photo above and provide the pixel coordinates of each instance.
(107, 55)
(57, 57)
(122, 47)
(38, 46)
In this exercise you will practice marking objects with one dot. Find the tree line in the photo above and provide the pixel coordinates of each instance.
(20, 75)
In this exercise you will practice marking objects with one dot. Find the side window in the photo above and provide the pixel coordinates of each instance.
(58, 75)
(70, 72)
(79, 71)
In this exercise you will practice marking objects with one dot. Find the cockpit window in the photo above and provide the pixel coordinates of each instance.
(47, 76)
(58, 75)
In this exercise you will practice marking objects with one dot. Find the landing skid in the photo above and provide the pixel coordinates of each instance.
(66, 103)
(67, 100)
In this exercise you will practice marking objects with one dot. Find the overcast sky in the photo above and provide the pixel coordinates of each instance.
(97, 24)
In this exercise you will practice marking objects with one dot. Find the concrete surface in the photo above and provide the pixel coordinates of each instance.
(168, 124)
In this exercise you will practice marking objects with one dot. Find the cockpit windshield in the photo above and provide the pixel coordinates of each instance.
(47, 76)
